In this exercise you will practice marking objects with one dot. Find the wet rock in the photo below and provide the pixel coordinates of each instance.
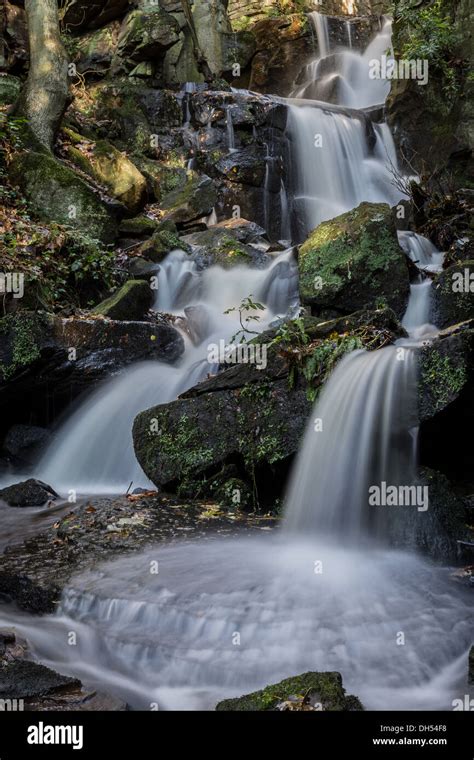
(23, 440)
(142, 269)
(29, 493)
(252, 417)
(34, 573)
(309, 691)
(113, 170)
(437, 530)
(24, 680)
(53, 189)
(46, 361)
(218, 246)
(471, 667)
(446, 370)
(453, 295)
(247, 166)
(131, 302)
(354, 261)
(37, 687)
(195, 200)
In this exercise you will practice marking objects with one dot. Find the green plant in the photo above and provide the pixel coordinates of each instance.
(246, 306)
(429, 34)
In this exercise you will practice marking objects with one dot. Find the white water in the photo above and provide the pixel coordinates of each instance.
(170, 638)
(342, 75)
(336, 166)
(92, 452)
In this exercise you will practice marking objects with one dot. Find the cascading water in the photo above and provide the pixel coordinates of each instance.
(299, 601)
(93, 452)
(340, 157)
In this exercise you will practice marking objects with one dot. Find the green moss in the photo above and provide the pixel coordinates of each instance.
(184, 452)
(24, 332)
(444, 378)
(129, 302)
(325, 688)
(352, 260)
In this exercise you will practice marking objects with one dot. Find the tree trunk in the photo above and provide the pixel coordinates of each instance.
(46, 94)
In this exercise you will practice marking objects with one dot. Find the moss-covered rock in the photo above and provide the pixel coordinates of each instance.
(55, 193)
(146, 36)
(163, 240)
(162, 178)
(247, 416)
(112, 169)
(196, 199)
(309, 691)
(220, 247)
(436, 530)
(130, 302)
(138, 226)
(354, 261)
(453, 295)
(446, 369)
(10, 87)
(93, 52)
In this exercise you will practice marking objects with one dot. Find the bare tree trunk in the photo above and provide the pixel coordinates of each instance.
(46, 95)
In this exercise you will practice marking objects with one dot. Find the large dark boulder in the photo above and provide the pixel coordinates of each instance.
(46, 361)
(354, 261)
(130, 302)
(248, 417)
(29, 493)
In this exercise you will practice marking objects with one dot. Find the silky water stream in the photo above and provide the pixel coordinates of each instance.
(227, 616)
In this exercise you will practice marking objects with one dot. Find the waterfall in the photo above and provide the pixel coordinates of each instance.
(321, 26)
(92, 452)
(334, 168)
(339, 157)
(363, 430)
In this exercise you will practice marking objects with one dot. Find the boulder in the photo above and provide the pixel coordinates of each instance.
(306, 692)
(57, 194)
(145, 37)
(130, 302)
(437, 530)
(161, 178)
(253, 418)
(23, 440)
(138, 226)
(91, 14)
(164, 240)
(29, 493)
(195, 200)
(94, 51)
(217, 246)
(453, 295)
(354, 261)
(446, 370)
(46, 361)
(112, 169)
(247, 166)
